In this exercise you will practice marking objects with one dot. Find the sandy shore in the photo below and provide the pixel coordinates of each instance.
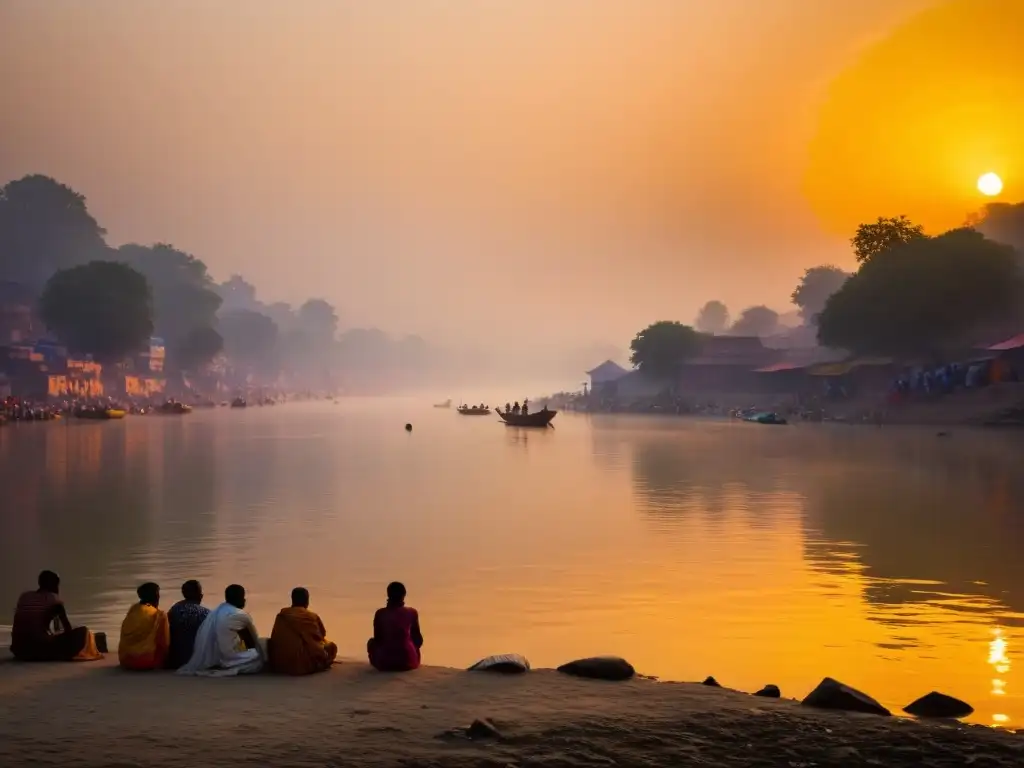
(97, 715)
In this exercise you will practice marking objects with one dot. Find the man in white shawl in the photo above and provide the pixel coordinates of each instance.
(226, 642)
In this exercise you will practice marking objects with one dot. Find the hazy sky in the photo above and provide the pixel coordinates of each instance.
(565, 170)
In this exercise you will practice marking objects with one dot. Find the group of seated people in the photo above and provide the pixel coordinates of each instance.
(194, 640)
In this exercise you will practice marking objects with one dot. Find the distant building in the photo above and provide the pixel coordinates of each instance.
(726, 364)
(605, 374)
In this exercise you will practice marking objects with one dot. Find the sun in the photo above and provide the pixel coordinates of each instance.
(990, 184)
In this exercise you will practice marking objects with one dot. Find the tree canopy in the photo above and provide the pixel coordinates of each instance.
(1004, 223)
(883, 235)
(250, 338)
(713, 317)
(814, 288)
(661, 349)
(925, 295)
(102, 308)
(756, 321)
(44, 226)
(318, 320)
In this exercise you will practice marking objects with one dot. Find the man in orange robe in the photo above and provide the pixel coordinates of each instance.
(145, 632)
(298, 643)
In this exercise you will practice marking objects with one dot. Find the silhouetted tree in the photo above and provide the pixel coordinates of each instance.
(318, 320)
(882, 235)
(1002, 222)
(814, 288)
(926, 294)
(250, 339)
(713, 317)
(185, 301)
(44, 226)
(199, 347)
(102, 308)
(661, 349)
(756, 321)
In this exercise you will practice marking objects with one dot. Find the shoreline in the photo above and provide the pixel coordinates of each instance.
(95, 714)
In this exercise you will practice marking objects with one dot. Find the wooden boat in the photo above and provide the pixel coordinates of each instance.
(445, 404)
(541, 418)
(100, 413)
(467, 411)
(239, 402)
(174, 407)
(765, 418)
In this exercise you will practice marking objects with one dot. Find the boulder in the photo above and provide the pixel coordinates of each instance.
(940, 705)
(769, 692)
(600, 668)
(710, 681)
(831, 694)
(505, 663)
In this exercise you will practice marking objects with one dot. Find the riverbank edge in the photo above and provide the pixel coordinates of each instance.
(352, 715)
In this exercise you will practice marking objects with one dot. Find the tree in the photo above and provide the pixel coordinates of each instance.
(250, 339)
(756, 321)
(238, 293)
(102, 308)
(200, 346)
(1004, 223)
(814, 288)
(661, 349)
(318, 320)
(44, 227)
(185, 301)
(927, 294)
(884, 234)
(713, 317)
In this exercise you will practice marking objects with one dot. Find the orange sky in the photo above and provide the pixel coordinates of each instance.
(470, 169)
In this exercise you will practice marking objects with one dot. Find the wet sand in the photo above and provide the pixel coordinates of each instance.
(97, 715)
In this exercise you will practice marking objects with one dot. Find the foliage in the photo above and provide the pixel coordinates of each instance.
(102, 308)
(661, 349)
(926, 294)
(884, 234)
(713, 317)
(318, 320)
(185, 302)
(1004, 223)
(200, 346)
(756, 321)
(814, 288)
(250, 338)
(44, 227)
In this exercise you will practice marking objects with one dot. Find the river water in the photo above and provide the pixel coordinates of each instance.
(890, 559)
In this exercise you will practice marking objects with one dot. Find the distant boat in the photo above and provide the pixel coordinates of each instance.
(93, 412)
(466, 410)
(541, 418)
(765, 418)
(238, 402)
(445, 404)
(174, 407)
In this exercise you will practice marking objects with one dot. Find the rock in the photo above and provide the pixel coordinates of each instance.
(937, 704)
(505, 663)
(831, 694)
(710, 681)
(600, 668)
(408, 427)
(483, 729)
(101, 641)
(769, 692)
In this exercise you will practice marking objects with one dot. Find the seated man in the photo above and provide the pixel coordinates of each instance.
(397, 640)
(298, 643)
(227, 642)
(185, 618)
(39, 611)
(145, 634)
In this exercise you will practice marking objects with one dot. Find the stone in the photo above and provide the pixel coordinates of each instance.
(769, 692)
(599, 668)
(483, 729)
(832, 694)
(710, 681)
(938, 705)
(505, 663)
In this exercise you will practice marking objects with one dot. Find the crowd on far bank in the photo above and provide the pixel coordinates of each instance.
(195, 640)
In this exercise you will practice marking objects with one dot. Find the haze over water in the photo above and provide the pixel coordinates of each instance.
(889, 559)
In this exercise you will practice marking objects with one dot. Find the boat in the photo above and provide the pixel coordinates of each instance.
(541, 418)
(174, 407)
(445, 404)
(466, 410)
(93, 412)
(238, 402)
(765, 418)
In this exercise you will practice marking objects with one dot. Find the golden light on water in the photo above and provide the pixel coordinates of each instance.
(990, 184)
(1000, 662)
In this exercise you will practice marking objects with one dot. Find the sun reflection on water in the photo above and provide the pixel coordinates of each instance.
(1001, 664)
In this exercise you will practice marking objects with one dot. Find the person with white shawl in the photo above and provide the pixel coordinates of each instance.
(227, 642)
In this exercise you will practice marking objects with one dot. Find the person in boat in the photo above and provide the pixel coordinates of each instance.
(515, 408)
(397, 640)
(184, 618)
(298, 643)
(526, 407)
(145, 633)
(40, 612)
(227, 642)
(508, 408)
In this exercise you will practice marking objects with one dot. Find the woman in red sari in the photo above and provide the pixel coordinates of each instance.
(396, 642)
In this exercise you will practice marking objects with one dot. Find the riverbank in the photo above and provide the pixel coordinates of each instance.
(96, 715)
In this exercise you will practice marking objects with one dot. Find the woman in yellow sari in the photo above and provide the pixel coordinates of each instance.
(298, 644)
(145, 633)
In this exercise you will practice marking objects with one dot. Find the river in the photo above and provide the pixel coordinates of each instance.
(888, 558)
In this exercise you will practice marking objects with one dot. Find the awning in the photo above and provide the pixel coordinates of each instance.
(1015, 343)
(777, 367)
(841, 369)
